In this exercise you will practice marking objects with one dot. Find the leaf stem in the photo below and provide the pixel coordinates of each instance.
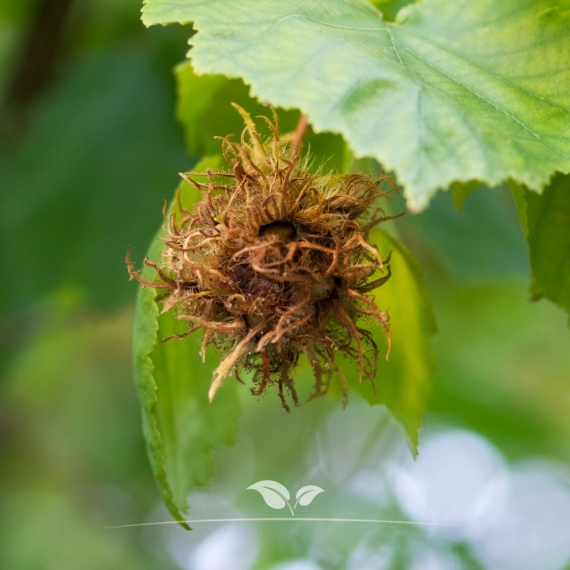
(300, 130)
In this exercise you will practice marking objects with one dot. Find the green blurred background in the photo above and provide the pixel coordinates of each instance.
(90, 150)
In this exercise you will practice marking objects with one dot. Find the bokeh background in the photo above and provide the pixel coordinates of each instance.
(89, 152)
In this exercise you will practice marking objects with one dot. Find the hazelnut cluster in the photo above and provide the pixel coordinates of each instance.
(274, 262)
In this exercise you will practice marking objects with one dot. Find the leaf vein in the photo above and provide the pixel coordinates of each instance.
(494, 105)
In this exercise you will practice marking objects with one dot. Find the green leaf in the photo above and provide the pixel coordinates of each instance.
(181, 427)
(460, 191)
(402, 381)
(548, 219)
(454, 91)
(390, 8)
(204, 109)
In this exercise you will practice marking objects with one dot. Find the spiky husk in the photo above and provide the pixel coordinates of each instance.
(274, 263)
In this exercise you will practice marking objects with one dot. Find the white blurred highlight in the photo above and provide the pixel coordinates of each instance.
(300, 564)
(229, 546)
(458, 479)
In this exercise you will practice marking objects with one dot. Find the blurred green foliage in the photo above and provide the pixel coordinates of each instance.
(84, 174)
(72, 450)
(98, 164)
(91, 169)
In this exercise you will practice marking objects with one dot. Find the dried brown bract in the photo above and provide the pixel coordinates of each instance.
(275, 263)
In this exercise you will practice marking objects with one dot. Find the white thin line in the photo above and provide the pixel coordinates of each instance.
(288, 519)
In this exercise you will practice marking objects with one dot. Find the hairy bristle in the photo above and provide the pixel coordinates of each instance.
(273, 263)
